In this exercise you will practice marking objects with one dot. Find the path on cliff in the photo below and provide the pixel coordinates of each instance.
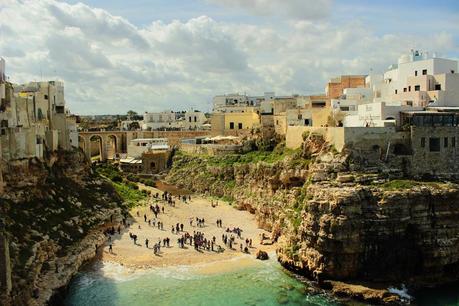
(138, 256)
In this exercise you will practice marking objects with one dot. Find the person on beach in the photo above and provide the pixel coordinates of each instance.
(110, 248)
(146, 243)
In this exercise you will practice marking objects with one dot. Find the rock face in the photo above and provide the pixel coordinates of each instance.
(261, 255)
(338, 216)
(52, 211)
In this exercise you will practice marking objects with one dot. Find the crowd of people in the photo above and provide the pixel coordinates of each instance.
(198, 239)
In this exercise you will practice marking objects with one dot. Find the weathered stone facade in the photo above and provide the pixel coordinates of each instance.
(154, 162)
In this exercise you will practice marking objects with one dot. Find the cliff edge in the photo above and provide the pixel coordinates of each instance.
(52, 212)
(338, 216)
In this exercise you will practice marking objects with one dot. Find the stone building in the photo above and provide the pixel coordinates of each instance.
(335, 86)
(33, 119)
(155, 161)
(424, 145)
(235, 123)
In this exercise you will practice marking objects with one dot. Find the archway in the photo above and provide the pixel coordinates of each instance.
(112, 146)
(96, 148)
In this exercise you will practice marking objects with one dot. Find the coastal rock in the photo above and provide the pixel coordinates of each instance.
(261, 255)
(52, 228)
(362, 293)
(339, 216)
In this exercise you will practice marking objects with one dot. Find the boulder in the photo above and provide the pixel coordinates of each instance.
(262, 255)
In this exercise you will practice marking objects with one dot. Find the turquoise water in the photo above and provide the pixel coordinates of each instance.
(264, 283)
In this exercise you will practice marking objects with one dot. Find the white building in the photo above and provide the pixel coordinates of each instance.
(416, 82)
(418, 79)
(348, 103)
(140, 145)
(161, 121)
(194, 120)
(33, 119)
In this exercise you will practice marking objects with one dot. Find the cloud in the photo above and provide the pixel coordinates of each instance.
(110, 65)
(296, 9)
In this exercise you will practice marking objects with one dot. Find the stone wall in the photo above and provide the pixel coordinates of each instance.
(359, 138)
(443, 159)
(211, 149)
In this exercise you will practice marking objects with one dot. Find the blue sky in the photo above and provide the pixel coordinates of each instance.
(155, 55)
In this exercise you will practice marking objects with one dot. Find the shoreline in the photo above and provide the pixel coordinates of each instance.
(54, 293)
(136, 255)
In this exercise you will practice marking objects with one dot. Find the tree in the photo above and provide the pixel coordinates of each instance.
(131, 114)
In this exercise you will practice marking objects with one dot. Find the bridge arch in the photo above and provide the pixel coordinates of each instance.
(112, 146)
(97, 148)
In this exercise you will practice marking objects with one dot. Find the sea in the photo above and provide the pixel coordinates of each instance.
(260, 283)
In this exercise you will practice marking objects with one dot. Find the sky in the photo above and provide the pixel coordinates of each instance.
(156, 55)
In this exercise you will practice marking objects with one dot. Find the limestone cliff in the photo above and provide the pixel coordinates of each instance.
(338, 216)
(50, 210)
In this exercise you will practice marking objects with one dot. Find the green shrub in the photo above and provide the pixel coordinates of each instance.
(117, 178)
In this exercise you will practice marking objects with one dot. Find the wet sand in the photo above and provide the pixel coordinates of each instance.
(137, 256)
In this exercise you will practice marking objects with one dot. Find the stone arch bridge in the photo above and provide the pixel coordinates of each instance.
(109, 144)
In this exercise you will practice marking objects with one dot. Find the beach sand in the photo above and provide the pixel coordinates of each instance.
(133, 256)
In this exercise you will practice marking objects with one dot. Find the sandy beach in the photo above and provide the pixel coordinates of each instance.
(138, 256)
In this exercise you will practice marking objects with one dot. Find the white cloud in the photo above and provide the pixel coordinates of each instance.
(110, 65)
(297, 9)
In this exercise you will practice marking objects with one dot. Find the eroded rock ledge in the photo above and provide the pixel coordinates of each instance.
(53, 211)
(339, 216)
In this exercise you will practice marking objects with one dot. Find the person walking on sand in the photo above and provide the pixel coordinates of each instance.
(110, 248)
(146, 243)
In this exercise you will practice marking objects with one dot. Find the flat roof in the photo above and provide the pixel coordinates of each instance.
(149, 139)
(428, 113)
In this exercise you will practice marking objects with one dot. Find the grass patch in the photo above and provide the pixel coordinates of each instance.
(407, 184)
(130, 195)
(127, 189)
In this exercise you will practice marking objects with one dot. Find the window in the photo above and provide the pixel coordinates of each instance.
(319, 104)
(452, 71)
(300, 117)
(60, 109)
(415, 73)
(423, 142)
(434, 144)
(417, 87)
(239, 126)
(437, 86)
(453, 142)
(409, 88)
(396, 91)
(306, 121)
(189, 119)
(46, 97)
(445, 142)
(231, 125)
(424, 71)
(194, 118)
(404, 89)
